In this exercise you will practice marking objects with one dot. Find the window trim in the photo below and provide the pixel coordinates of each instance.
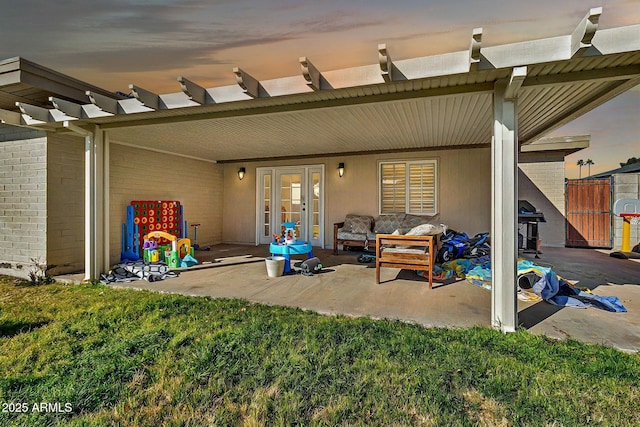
(408, 164)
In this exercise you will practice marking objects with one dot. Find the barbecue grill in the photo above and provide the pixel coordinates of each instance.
(529, 217)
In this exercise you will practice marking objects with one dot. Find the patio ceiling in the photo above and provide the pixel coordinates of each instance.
(420, 103)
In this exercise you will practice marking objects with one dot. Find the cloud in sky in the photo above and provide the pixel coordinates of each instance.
(125, 36)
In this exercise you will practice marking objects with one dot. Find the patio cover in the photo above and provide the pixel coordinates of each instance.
(505, 96)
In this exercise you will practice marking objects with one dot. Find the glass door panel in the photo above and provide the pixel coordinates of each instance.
(314, 214)
(291, 194)
(291, 184)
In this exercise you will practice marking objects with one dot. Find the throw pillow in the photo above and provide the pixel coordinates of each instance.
(386, 223)
(426, 230)
(411, 221)
(358, 223)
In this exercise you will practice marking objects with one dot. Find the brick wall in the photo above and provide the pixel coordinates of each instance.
(23, 201)
(146, 175)
(542, 184)
(625, 186)
(65, 200)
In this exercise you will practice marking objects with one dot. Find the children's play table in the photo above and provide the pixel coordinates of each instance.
(287, 250)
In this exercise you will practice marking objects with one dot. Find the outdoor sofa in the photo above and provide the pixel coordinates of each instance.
(361, 230)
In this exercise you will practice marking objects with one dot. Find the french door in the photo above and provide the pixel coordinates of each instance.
(291, 194)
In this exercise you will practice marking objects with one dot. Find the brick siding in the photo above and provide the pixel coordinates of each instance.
(23, 200)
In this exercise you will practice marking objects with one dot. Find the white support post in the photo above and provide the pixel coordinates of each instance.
(96, 204)
(106, 182)
(504, 194)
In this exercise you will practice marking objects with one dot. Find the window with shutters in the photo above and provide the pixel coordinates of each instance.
(409, 187)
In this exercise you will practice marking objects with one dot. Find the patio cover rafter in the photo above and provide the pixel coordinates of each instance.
(583, 34)
(194, 91)
(474, 49)
(310, 73)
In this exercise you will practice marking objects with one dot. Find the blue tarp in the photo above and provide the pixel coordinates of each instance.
(549, 286)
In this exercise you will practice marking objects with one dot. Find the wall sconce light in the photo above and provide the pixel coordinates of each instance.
(241, 173)
(340, 169)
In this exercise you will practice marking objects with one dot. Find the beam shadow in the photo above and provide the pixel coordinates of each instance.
(10, 328)
(537, 313)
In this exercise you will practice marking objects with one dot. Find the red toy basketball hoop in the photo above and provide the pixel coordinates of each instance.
(632, 218)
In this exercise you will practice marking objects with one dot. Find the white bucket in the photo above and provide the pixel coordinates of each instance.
(275, 266)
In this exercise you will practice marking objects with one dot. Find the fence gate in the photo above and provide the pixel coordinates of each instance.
(588, 204)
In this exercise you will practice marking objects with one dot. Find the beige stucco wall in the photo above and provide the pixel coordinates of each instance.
(464, 188)
(65, 203)
(147, 175)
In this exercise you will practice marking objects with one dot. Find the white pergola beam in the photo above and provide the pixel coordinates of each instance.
(583, 34)
(194, 91)
(147, 98)
(474, 49)
(10, 117)
(386, 65)
(69, 108)
(518, 74)
(104, 103)
(35, 112)
(310, 73)
(76, 129)
(599, 75)
(504, 195)
(249, 84)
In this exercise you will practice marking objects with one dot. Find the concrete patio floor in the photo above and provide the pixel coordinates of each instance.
(347, 287)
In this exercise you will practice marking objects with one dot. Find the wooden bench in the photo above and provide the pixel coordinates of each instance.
(408, 252)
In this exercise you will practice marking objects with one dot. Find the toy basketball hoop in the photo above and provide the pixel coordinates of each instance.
(633, 218)
(629, 211)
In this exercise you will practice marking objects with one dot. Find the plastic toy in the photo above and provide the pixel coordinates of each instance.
(130, 247)
(289, 233)
(172, 255)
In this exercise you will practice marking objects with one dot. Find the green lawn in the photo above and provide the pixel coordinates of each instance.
(121, 357)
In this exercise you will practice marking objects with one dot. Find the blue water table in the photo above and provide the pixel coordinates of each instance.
(288, 245)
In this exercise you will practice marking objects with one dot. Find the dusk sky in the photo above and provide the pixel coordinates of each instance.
(150, 43)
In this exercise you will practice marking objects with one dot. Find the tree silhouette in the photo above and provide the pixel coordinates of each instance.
(589, 162)
(580, 163)
(630, 161)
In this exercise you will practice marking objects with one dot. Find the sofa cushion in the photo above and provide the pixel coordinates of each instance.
(417, 250)
(343, 234)
(358, 223)
(426, 230)
(388, 223)
(411, 220)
